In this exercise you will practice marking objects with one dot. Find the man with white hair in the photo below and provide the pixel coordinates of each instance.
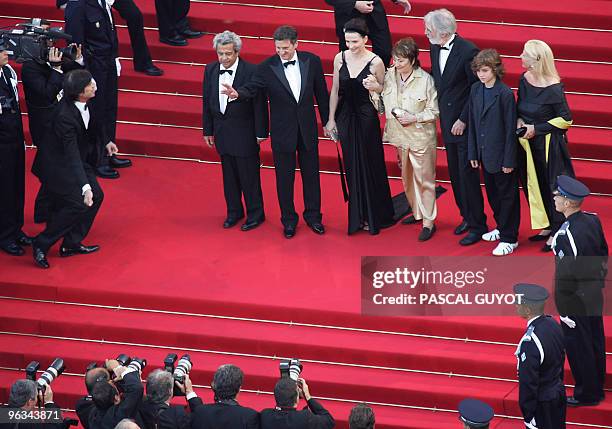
(451, 58)
(235, 128)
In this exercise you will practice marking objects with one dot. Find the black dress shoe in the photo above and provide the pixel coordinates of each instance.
(573, 402)
(539, 237)
(471, 238)
(547, 248)
(105, 172)
(174, 41)
(151, 70)
(462, 228)
(289, 231)
(317, 227)
(427, 233)
(191, 34)
(13, 249)
(120, 162)
(78, 250)
(250, 224)
(409, 220)
(231, 221)
(24, 240)
(40, 258)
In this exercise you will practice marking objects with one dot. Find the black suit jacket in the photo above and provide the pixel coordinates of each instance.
(11, 126)
(288, 117)
(491, 128)
(163, 416)
(89, 24)
(83, 408)
(68, 152)
(314, 416)
(344, 10)
(126, 409)
(224, 416)
(454, 84)
(244, 120)
(47, 407)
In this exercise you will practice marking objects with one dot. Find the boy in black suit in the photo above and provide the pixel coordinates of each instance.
(292, 81)
(235, 129)
(492, 143)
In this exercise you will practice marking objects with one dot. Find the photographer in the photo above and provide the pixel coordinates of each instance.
(84, 405)
(109, 407)
(43, 80)
(226, 412)
(156, 411)
(12, 161)
(24, 395)
(287, 393)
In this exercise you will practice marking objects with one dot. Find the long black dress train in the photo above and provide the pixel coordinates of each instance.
(364, 160)
(545, 156)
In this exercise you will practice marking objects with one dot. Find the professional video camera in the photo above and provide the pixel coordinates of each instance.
(182, 369)
(46, 378)
(30, 41)
(290, 368)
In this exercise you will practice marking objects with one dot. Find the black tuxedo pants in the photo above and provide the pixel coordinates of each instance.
(284, 165)
(241, 178)
(503, 195)
(379, 36)
(104, 104)
(70, 218)
(465, 182)
(586, 354)
(172, 17)
(12, 190)
(132, 15)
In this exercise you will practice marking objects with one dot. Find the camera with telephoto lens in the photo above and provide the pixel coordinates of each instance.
(132, 362)
(290, 368)
(46, 378)
(179, 372)
(30, 41)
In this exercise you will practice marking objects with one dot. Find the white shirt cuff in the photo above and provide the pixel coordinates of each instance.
(191, 395)
(80, 61)
(86, 188)
(118, 64)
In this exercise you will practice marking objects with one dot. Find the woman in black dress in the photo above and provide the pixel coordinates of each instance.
(354, 119)
(543, 111)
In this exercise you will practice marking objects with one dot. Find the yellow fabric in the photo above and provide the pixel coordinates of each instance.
(539, 219)
(560, 123)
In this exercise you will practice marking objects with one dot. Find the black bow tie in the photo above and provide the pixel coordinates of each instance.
(289, 63)
(231, 72)
(450, 44)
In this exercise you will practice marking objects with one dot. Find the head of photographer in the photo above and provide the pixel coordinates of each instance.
(26, 395)
(287, 393)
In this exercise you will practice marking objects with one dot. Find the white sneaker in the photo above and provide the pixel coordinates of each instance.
(504, 249)
(491, 235)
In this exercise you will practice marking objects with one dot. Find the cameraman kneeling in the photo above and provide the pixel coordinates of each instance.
(287, 393)
(156, 411)
(109, 407)
(25, 396)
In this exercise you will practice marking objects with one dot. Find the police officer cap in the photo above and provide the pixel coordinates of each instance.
(475, 413)
(531, 293)
(571, 188)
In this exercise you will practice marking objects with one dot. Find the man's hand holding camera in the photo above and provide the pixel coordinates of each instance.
(303, 389)
(186, 387)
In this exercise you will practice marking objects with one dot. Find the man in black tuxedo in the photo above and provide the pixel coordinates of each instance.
(12, 161)
(235, 129)
(226, 412)
(287, 394)
(373, 12)
(24, 396)
(292, 81)
(451, 59)
(133, 17)
(64, 164)
(173, 24)
(91, 24)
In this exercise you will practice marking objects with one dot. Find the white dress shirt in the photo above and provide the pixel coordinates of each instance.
(227, 78)
(84, 111)
(294, 76)
(444, 53)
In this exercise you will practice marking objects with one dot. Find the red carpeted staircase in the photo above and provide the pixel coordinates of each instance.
(170, 279)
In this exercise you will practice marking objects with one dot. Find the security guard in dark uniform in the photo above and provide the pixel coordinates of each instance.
(581, 256)
(541, 356)
(12, 161)
(475, 414)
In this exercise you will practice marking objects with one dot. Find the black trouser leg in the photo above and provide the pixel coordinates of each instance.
(551, 414)
(250, 183)
(381, 41)
(83, 224)
(471, 193)
(284, 167)
(105, 102)
(503, 196)
(181, 10)
(166, 22)
(452, 159)
(42, 205)
(12, 190)
(311, 184)
(231, 187)
(132, 15)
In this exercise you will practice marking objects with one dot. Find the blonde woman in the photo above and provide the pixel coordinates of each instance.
(411, 107)
(545, 116)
